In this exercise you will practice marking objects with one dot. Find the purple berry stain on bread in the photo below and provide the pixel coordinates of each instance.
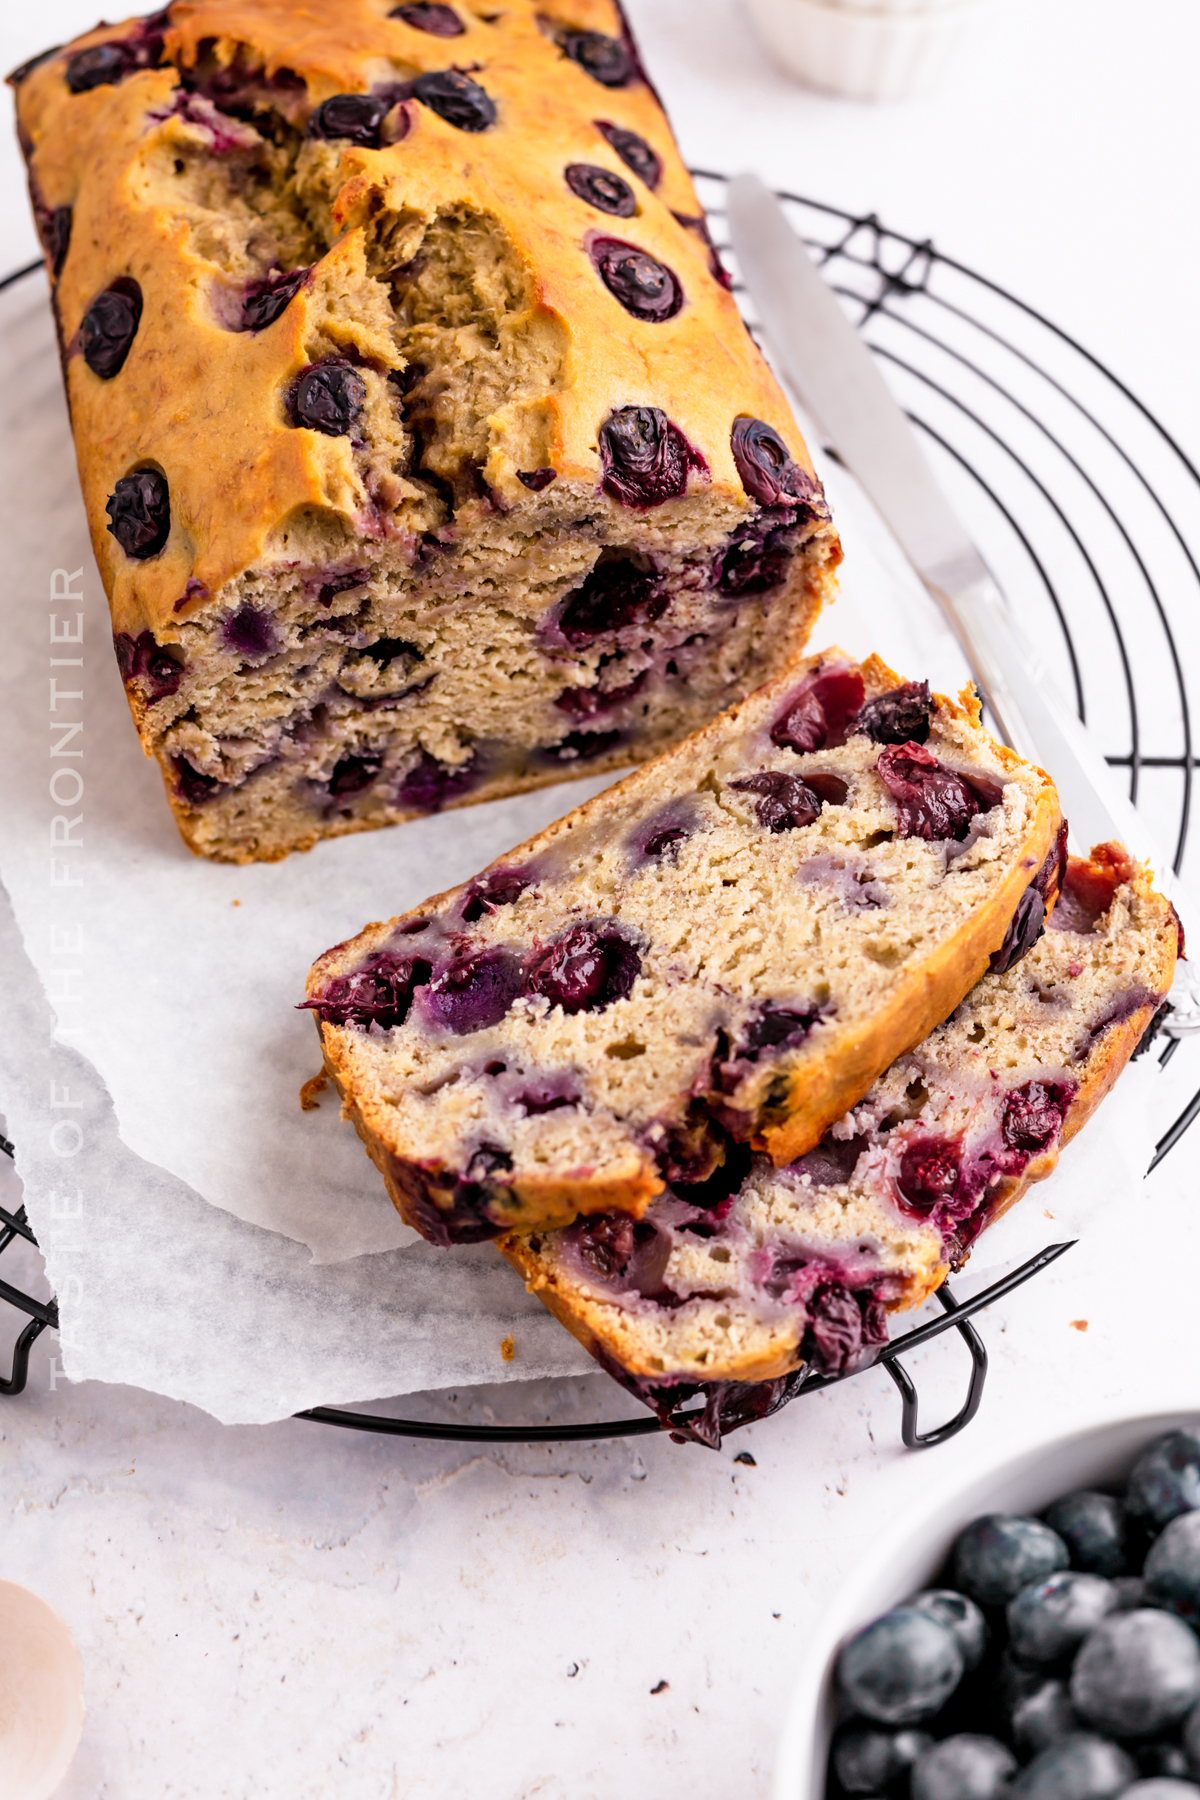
(585, 969)
(786, 803)
(929, 1172)
(582, 746)
(139, 511)
(757, 556)
(109, 327)
(266, 300)
(601, 188)
(472, 992)
(500, 887)
(588, 702)
(645, 287)
(380, 993)
(426, 15)
(329, 590)
(819, 715)
(353, 118)
(457, 99)
(351, 774)
(431, 785)
(144, 658)
(901, 716)
(250, 632)
(633, 151)
(644, 459)
(191, 784)
(1033, 1114)
(1024, 929)
(612, 597)
(327, 397)
(606, 59)
(932, 801)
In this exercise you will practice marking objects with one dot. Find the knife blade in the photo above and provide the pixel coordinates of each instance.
(833, 371)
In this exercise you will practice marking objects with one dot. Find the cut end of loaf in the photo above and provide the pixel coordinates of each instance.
(718, 955)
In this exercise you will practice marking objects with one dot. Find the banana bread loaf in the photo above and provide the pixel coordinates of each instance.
(728, 947)
(738, 1292)
(426, 456)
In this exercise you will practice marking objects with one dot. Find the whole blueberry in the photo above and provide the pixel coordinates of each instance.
(606, 59)
(644, 458)
(98, 66)
(601, 188)
(1094, 1529)
(960, 1616)
(901, 1669)
(1165, 1480)
(1161, 1787)
(427, 15)
(457, 99)
(867, 1759)
(646, 287)
(139, 510)
(1042, 1717)
(998, 1555)
(1079, 1767)
(633, 151)
(109, 326)
(1136, 1674)
(356, 118)
(965, 1767)
(1047, 1619)
(327, 397)
(1172, 1570)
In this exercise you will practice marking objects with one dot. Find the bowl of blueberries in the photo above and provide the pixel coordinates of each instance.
(1034, 1636)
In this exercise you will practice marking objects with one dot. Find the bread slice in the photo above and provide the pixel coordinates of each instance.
(740, 1293)
(424, 450)
(727, 947)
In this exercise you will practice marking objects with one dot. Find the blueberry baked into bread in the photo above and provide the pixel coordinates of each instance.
(741, 1288)
(727, 948)
(425, 453)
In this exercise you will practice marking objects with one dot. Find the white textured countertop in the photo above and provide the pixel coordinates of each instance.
(294, 1612)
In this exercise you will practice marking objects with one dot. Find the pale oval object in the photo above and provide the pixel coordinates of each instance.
(41, 1679)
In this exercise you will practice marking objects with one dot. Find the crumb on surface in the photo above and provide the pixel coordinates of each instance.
(314, 1086)
(660, 1687)
(508, 1348)
(1079, 1324)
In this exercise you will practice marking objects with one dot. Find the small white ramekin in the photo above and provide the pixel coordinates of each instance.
(885, 50)
(911, 1554)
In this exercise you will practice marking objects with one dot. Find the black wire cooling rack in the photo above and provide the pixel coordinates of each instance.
(1082, 504)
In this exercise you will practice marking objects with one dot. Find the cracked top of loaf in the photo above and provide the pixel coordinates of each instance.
(189, 162)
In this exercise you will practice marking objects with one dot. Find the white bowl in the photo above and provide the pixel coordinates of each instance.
(912, 1553)
(41, 1696)
(866, 51)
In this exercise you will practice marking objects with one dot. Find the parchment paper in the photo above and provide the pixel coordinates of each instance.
(180, 1165)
